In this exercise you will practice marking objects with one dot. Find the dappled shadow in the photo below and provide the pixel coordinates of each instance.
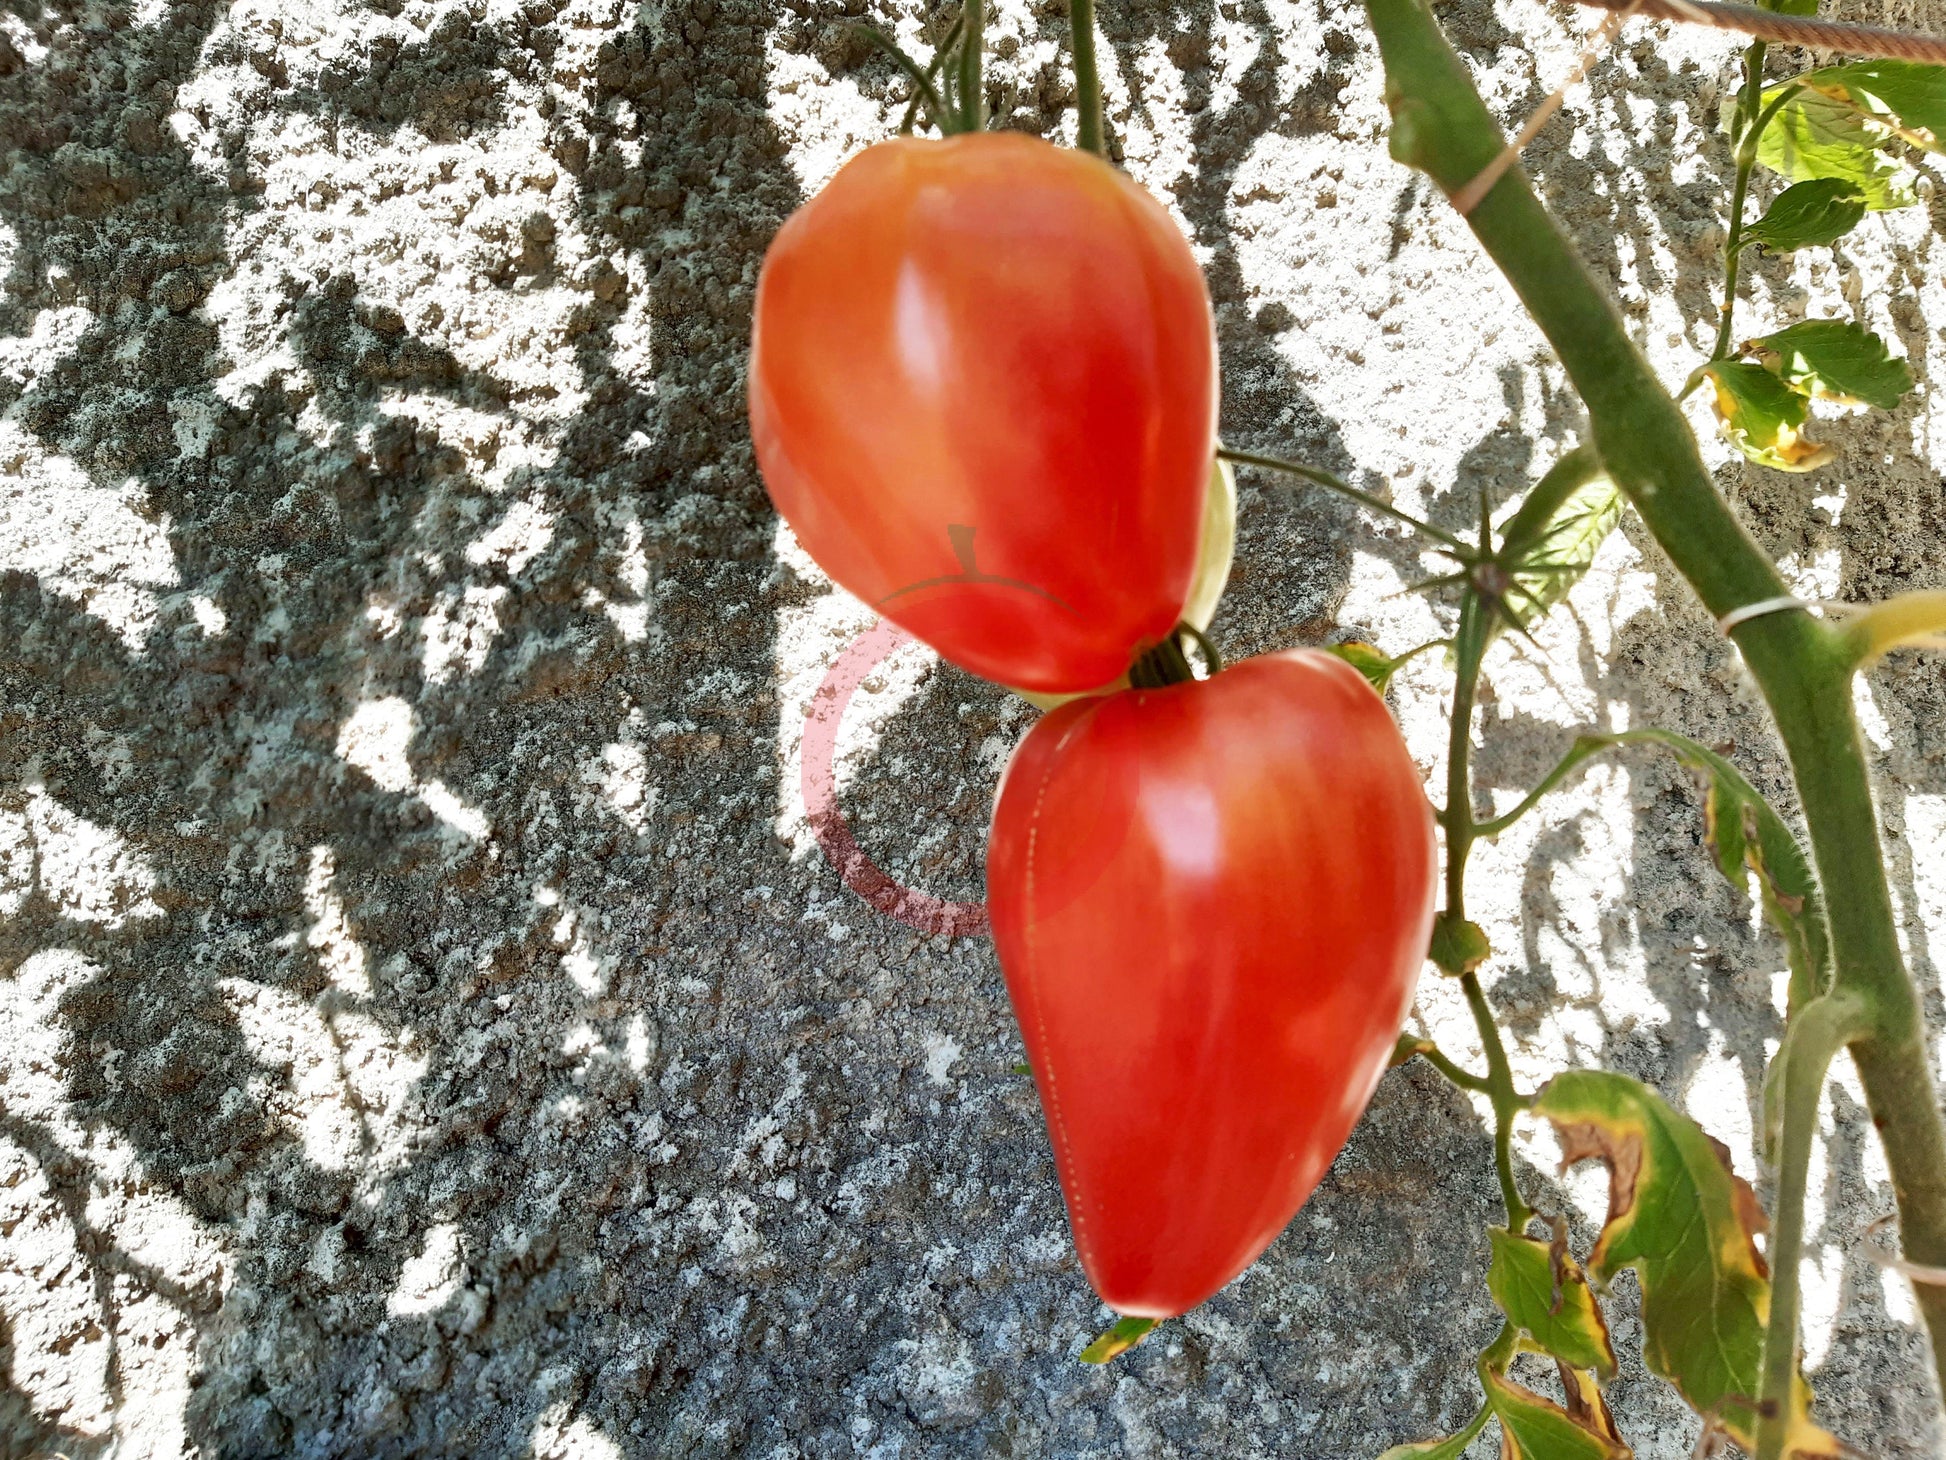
(389, 791)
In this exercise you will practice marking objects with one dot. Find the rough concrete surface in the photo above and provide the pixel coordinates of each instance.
(427, 1026)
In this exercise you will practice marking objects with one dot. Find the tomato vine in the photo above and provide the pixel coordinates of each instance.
(1192, 1094)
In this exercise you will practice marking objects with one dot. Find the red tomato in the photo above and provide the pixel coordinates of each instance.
(983, 393)
(1211, 902)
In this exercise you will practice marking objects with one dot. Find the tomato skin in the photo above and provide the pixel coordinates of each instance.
(983, 393)
(1211, 903)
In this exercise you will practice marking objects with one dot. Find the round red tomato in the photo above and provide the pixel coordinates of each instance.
(1211, 902)
(983, 394)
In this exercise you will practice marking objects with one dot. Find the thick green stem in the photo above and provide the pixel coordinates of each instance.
(1470, 642)
(972, 56)
(1748, 100)
(1087, 78)
(1802, 666)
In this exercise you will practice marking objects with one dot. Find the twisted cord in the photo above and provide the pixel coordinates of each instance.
(1790, 30)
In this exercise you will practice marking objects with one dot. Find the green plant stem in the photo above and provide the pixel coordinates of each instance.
(1822, 1028)
(972, 55)
(1748, 100)
(1410, 1045)
(1325, 479)
(1583, 747)
(1470, 642)
(919, 93)
(1802, 666)
(1087, 78)
(1901, 622)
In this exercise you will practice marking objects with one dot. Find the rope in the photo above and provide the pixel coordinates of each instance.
(1790, 30)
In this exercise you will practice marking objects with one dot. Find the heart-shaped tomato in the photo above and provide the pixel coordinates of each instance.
(983, 394)
(1211, 902)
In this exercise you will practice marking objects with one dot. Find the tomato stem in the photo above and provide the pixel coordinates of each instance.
(1470, 642)
(1750, 125)
(1164, 663)
(927, 91)
(1907, 621)
(1087, 78)
(972, 53)
(1410, 1045)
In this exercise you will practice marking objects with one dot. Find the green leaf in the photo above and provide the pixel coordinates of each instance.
(1458, 946)
(1118, 1340)
(1762, 415)
(1542, 1290)
(1449, 1448)
(1687, 1224)
(1908, 96)
(1814, 135)
(1748, 838)
(1368, 661)
(1809, 215)
(1534, 1428)
(1836, 359)
(1566, 547)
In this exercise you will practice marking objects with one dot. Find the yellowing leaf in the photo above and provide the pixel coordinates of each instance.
(1748, 838)
(1909, 96)
(1542, 1290)
(1763, 417)
(1118, 1340)
(1687, 1224)
(1836, 359)
(1368, 661)
(1565, 549)
(1450, 1448)
(1535, 1428)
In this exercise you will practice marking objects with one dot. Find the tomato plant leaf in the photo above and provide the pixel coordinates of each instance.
(1687, 1224)
(1836, 359)
(1908, 96)
(1458, 946)
(1544, 1291)
(1451, 1447)
(1368, 661)
(1809, 215)
(1815, 135)
(1535, 1428)
(1124, 1336)
(1762, 416)
(1565, 548)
